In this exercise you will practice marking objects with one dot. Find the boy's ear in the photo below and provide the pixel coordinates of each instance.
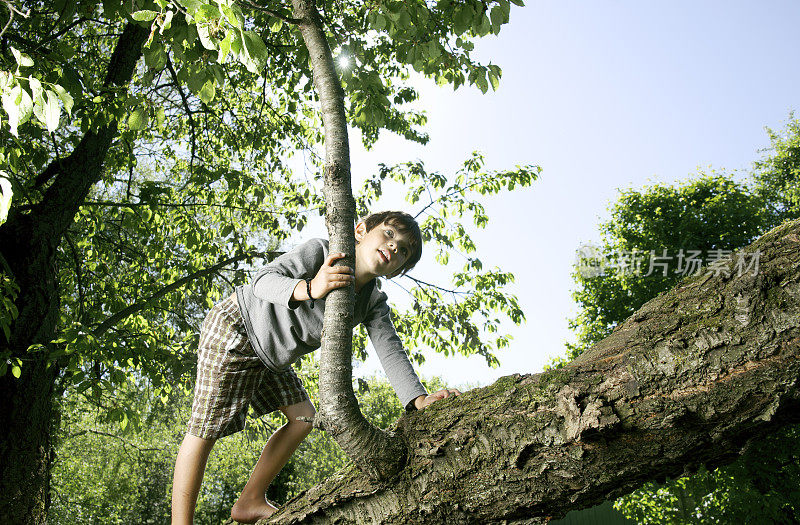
(361, 230)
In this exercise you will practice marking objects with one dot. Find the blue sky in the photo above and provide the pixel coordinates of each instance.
(601, 95)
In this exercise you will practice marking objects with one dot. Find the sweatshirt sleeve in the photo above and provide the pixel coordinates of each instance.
(276, 281)
(390, 351)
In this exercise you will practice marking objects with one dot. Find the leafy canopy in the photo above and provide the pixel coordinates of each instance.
(202, 183)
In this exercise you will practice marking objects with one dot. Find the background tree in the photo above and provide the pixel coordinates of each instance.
(777, 173)
(704, 214)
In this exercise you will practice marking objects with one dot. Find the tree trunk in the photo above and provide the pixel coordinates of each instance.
(28, 243)
(377, 453)
(694, 377)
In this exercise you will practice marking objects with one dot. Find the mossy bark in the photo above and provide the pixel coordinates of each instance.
(694, 377)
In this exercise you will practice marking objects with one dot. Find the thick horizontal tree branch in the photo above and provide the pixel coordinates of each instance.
(691, 378)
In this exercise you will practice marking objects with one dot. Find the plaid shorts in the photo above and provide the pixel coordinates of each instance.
(231, 377)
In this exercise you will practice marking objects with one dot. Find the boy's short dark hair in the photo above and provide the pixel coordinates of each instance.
(404, 223)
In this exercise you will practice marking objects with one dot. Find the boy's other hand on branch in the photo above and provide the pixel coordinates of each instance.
(423, 401)
(330, 277)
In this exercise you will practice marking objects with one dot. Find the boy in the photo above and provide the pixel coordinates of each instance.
(249, 341)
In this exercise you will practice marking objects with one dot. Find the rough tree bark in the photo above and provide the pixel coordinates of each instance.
(694, 377)
(28, 243)
(377, 453)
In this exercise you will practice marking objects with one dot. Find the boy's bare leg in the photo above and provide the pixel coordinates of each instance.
(252, 504)
(189, 468)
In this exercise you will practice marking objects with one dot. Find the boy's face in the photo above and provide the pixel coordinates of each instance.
(382, 251)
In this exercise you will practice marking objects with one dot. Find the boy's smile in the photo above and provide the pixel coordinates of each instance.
(380, 252)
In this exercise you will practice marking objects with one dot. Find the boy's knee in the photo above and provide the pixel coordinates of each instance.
(306, 424)
(301, 418)
(302, 427)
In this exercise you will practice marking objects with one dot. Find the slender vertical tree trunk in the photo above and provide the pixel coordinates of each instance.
(28, 243)
(377, 453)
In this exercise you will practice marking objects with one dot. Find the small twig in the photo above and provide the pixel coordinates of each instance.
(187, 109)
(130, 167)
(136, 307)
(431, 285)
(65, 30)
(12, 11)
(270, 12)
(107, 434)
(78, 276)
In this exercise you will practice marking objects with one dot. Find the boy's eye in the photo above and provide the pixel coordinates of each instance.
(389, 233)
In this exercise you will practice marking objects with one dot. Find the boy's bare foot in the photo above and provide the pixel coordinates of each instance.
(251, 511)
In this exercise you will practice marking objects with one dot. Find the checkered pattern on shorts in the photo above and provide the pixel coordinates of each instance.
(231, 377)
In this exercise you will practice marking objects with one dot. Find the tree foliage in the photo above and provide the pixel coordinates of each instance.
(201, 177)
(777, 173)
(200, 174)
(103, 473)
(642, 241)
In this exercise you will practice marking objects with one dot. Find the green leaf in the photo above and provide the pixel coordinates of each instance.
(192, 6)
(137, 120)
(111, 7)
(236, 43)
(18, 106)
(404, 21)
(160, 117)
(481, 82)
(256, 51)
(518, 2)
(494, 81)
(379, 22)
(433, 50)
(70, 79)
(208, 91)
(225, 47)
(155, 57)
(208, 12)
(144, 15)
(167, 23)
(36, 88)
(497, 17)
(65, 49)
(205, 37)
(16, 371)
(6, 193)
(462, 20)
(230, 15)
(218, 74)
(196, 80)
(22, 59)
(52, 112)
(6, 80)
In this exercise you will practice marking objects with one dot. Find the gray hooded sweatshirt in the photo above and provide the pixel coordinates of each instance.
(281, 329)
